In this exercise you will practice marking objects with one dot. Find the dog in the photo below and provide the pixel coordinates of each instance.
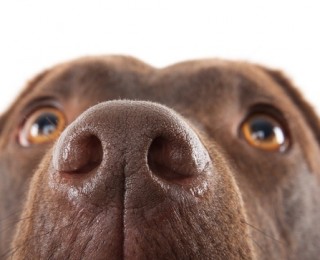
(109, 158)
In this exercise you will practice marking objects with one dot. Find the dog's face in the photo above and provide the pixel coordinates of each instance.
(201, 160)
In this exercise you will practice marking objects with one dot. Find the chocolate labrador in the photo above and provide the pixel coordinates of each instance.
(110, 158)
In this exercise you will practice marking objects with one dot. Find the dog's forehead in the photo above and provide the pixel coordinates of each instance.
(126, 77)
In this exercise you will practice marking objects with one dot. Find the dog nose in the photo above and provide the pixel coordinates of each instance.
(140, 146)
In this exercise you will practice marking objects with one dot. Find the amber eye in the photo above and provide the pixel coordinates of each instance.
(264, 132)
(42, 126)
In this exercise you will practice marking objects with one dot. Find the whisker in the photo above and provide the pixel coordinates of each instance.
(257, 244)
(263, 232)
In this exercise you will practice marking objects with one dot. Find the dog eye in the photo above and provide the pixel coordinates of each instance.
(265, 132)
(42, 126)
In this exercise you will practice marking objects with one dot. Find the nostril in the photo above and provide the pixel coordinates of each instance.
(168, 160)
(92, 153)
(80, 155)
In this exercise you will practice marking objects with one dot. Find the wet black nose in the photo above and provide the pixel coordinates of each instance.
(137, 147)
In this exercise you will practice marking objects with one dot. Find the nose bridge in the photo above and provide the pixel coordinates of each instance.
(149, 131)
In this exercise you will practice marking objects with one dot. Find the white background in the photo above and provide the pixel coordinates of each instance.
(37, 34)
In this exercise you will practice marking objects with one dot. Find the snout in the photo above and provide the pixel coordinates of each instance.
(135, 157)
(133, 180)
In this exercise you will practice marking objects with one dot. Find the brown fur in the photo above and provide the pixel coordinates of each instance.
(245, 204)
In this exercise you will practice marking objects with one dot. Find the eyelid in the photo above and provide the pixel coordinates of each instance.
(38, 103)
(267, 109)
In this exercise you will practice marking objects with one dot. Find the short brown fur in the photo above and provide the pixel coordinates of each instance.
(256, 205)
